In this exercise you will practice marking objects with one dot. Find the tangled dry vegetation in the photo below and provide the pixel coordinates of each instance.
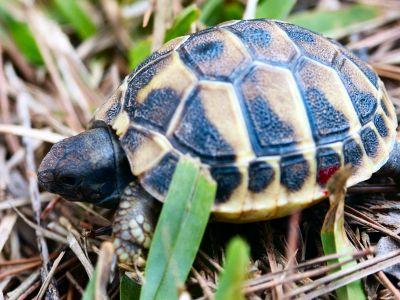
(48, 246)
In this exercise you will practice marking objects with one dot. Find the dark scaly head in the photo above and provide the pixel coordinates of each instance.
(89, 167)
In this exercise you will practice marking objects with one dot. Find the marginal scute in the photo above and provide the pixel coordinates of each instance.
(144, 149)
(215, 54)
(262, 203)
(112, 107)
(294, 172)
(157, 180)
(387, 105)
(265, 41)
(370, 141)
(298, 182)
(381, 126)
(328, 162)
(352, 153)
(261, 174)
(228, 179)
(266, 105)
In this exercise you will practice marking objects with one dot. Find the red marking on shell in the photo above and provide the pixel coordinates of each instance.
(325, 174)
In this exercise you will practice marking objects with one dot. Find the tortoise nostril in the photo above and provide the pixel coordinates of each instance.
(45, 177)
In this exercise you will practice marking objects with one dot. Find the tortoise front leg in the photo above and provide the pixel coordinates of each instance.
(134, 225)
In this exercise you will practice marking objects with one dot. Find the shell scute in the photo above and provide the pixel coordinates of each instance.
(158, 178)
(370, 141)
(380, 124)
(368, 72)
(311, 44)
(265, 41)
(143, 148)
(153, 95)
(331, 113)
(203, 131)
(228, 180)
(295, 171)
(362, 93)
(215, 54)
(266, 104)
(261, 174)
(328, 162)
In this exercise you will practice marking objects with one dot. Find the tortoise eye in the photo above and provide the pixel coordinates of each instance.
(68, 180)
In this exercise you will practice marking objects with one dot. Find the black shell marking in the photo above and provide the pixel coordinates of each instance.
(269, 134)
(364, 102)
(197, 133)
(380, 125)
(310, 43)
(139, 81)
(368, 72)
(294, 172)
(265, 41)
(132, 139)
(352, 153)
(370, 141)
(157, 109)
(113, 112)
(228, 179)
(327, 120)
(159, 177)
(261, 175)
(214, 54)
(269, 129)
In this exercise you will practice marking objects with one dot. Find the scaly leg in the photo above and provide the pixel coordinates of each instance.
(134, 225)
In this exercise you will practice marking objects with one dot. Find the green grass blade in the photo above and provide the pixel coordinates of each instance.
(333, 235)
(331, 23)
(128, 289)
(138, 52)
(21, 35)
(208, 10)
(89, 293)
(77, 17)
(179, 231)
(232, 279)
(275, 9)
(182, 22)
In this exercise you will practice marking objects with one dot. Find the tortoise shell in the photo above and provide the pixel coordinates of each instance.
(272, 109)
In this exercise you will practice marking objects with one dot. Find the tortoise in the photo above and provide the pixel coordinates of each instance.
(271, 109)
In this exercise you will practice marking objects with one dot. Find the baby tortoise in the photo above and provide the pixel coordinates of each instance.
(270, 108)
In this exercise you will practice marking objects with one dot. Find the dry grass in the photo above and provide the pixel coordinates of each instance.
(49, 245)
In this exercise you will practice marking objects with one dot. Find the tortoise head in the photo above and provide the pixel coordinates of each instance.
(90, 167)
